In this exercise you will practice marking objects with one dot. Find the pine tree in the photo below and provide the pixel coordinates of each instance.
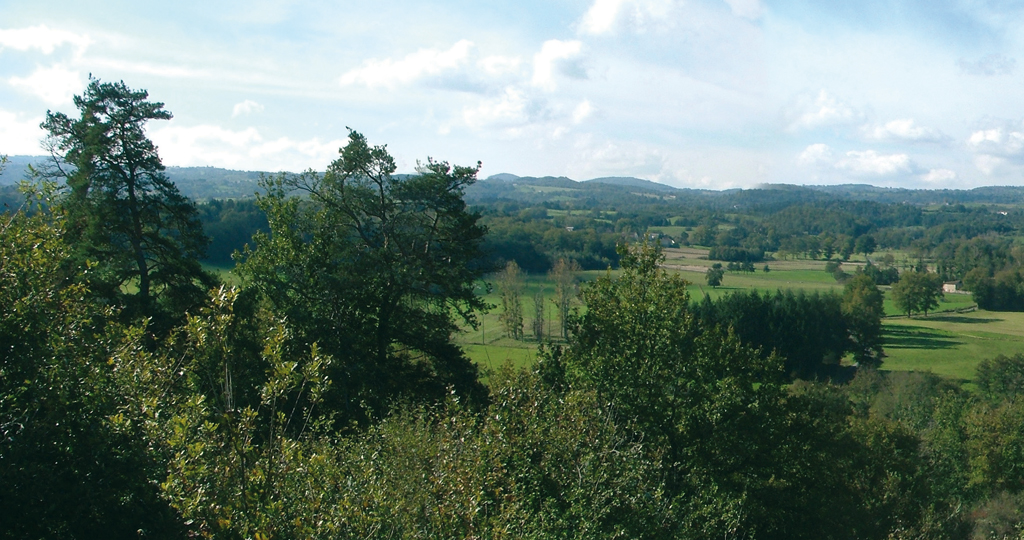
(140, 237)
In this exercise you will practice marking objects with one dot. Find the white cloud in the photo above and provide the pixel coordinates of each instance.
(997, 141)
(601, 16)
(42, 38)
(500, 65)
(936, 176)
(820, 111)
(553, 56)
(424, 62)
(996, 148)
(245, 149)
(582, 111)
(870, 162)
(55, 85)
(510, 109)
(619, 158)
(246, 107)
(988, 164)
(904, 129)
(604, 16)
(815, 154)
(19, 135)
(748, 9)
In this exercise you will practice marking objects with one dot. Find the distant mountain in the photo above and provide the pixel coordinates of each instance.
(17, 168)
(629, 181)
(199, 183)
(202, 183)
(502, 177)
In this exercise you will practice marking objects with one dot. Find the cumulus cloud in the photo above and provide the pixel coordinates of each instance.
(19, 134)
(939, 176)
(997, 141)
(500, 65)
(819, 111)
(997, 147)
(42, 38)
(601, 16)
(55, 85)
(246, 107)
(582, 111)
(748, 9)
(815, 154)
(556, 57)
(605, 16)
(596, 157)
(904, 130)
(988, 164)
(390, 73)
(872, 163)
(509, 110)
(241, 149)
(988, 66)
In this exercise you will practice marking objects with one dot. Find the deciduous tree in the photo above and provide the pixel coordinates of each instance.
(378, 268)
(917, 292)
(564, 275)
(510, 285)
(862, 307)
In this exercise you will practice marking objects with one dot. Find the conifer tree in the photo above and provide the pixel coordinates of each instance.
(139, 236)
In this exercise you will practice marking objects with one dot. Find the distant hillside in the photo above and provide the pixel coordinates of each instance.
(199, 183)
(633, 182)
(17, 168)
(203, 183)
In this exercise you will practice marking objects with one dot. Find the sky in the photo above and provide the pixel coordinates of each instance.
(699, 93)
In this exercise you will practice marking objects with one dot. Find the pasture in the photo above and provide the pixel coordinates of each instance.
(950, 341)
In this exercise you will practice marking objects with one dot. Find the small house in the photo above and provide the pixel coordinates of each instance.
(952, 287)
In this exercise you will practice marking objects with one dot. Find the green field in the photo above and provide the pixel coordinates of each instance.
(950, 341)
(951, 344)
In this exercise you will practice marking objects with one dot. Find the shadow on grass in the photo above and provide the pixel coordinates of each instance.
(960, 319)
(915, 337)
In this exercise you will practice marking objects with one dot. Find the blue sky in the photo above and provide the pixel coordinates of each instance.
(711, 94)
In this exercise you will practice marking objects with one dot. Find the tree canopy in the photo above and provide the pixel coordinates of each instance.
(140, 239)
(377, 268)
(917, 292)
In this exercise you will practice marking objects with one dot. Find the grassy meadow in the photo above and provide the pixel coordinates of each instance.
(950, 341)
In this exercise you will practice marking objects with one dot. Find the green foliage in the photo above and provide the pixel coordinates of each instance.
(537, 464)
(714, 275)
(1002, 292)
(810, 331)
(862, 309)
(140, 237)
(917, 292)
(66, 472)
(241, 431)
(880, 276)
(510, 285)
(1001, 378)
(230, 225)
(537, 243)
(539, 315)
(735, 254)
(378, 269)
(564, 274)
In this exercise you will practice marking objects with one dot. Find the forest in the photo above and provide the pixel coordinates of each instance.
(296, 363)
